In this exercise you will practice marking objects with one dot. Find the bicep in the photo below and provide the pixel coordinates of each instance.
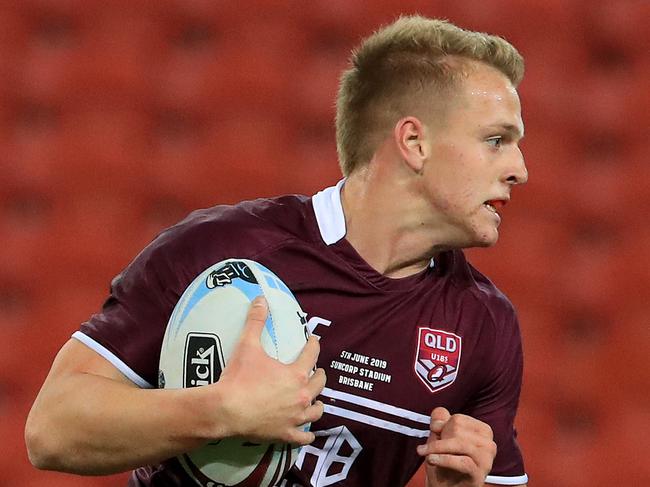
(76, 358)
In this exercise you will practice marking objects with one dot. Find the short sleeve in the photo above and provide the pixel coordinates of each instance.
(497, 401)
(129, 329)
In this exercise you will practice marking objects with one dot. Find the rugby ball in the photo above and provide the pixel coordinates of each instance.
(202, 332)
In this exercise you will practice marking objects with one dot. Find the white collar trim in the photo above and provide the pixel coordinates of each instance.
(329, 213)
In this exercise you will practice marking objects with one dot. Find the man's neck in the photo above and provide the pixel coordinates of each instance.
(384, 224)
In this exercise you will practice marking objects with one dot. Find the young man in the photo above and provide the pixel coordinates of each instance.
(422, 353)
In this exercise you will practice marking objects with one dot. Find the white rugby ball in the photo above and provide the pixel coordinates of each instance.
(201, 334)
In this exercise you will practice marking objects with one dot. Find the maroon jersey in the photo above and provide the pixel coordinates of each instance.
(393, 349)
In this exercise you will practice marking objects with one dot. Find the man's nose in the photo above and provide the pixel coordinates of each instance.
(517, 172)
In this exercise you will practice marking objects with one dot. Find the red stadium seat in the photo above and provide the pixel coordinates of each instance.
(620, 26)
(216, 167)
(524, 262)
(314, 164)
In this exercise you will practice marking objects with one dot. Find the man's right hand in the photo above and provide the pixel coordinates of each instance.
(260, 398)
(90, 419)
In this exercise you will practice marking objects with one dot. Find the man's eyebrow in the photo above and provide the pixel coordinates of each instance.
(508, 127)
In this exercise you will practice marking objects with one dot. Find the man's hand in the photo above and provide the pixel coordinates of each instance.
(263, 399)
(459, 451)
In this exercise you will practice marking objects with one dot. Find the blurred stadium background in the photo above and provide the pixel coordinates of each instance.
(117, 118)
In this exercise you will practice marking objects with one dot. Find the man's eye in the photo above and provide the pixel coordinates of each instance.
(495, 141)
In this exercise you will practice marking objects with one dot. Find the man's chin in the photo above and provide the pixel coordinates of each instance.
(481, 238)
(487, 239)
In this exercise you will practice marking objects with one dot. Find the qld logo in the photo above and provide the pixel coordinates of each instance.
(438, 358)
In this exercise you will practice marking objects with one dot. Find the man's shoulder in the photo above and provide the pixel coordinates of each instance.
(248, 229)
(243, 224)
(477, 286)
(282, 212)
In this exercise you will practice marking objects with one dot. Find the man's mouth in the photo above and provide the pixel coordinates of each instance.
(495, 205)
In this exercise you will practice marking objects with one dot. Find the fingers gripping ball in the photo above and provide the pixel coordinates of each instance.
(201, 334)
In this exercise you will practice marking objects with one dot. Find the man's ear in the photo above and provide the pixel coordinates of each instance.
(409, 134)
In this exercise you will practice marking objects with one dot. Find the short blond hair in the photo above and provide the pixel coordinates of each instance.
(412, 55)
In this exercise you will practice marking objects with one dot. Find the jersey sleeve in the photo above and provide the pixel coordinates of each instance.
(129, 329)
(497, 401)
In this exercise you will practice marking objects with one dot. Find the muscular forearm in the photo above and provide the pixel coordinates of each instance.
(90, 419)
(88, 424)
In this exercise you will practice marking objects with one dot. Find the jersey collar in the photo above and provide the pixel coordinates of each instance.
(330, 217)
(329, 213)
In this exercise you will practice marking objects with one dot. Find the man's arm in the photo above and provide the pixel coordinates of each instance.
(90, 419)
(459, 452)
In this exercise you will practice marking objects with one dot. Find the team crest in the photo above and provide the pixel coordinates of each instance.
(438, 358)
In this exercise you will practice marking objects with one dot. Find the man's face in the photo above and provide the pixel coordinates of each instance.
(475, 159)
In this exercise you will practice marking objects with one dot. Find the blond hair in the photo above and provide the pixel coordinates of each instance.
(411, 56)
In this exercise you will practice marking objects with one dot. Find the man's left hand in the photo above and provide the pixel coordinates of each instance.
(459, 452)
